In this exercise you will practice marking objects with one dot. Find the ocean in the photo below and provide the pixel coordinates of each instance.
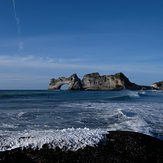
(74, 119)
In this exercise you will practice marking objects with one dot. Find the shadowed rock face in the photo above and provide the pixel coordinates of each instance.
(74, 83)
(158, 85)
(94, 81)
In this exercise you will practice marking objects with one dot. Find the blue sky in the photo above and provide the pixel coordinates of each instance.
(40, 40)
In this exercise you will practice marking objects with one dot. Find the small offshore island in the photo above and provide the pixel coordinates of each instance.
(94, 81)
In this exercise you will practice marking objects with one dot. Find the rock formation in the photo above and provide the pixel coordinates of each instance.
(158, 85)
(74, 83)
(118, 81)
(94, 81)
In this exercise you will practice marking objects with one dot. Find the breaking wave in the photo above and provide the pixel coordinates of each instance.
(66, 139)
(74, 119)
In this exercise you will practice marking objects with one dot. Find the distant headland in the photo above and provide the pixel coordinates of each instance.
(94, 81)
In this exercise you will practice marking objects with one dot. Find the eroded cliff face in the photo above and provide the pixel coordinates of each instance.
(94, 81)
(74, 83)
(158, 85)
(117, 81)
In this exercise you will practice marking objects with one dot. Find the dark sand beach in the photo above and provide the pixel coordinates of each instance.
(121, 147)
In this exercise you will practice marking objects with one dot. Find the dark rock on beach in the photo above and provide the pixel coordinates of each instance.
(121, 147)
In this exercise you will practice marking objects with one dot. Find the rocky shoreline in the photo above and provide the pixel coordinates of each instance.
(94, 81)
(121, 147)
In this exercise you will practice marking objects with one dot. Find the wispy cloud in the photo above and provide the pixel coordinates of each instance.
(31, 71)
(38, 62)
(73, 63)
(20, 44)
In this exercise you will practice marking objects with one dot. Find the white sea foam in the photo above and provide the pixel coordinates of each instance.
(32, 122)
(122, 116)
(5, 125)
(66, 139)
(21, 113)
(132, 93)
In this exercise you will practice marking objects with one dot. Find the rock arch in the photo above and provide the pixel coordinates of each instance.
(94, 81)
(64, 87)
(74, 83)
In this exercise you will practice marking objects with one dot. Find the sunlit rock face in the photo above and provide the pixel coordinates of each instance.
(158, 85)
(94, 81)
(117, 81)
(74, 83)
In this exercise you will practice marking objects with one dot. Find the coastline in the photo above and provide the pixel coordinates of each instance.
(121, 147)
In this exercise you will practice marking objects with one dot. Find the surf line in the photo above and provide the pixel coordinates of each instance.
(20, 44)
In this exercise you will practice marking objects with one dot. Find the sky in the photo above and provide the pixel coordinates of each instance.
(44, 39)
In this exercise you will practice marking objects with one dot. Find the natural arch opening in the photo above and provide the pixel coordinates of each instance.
(64, 87)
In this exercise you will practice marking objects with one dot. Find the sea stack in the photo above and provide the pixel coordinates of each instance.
(94, 81)
(74, 83)
(117, 81)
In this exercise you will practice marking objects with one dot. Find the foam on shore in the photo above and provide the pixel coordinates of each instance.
(66, 139)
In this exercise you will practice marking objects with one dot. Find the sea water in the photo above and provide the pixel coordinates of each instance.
(73, 119)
